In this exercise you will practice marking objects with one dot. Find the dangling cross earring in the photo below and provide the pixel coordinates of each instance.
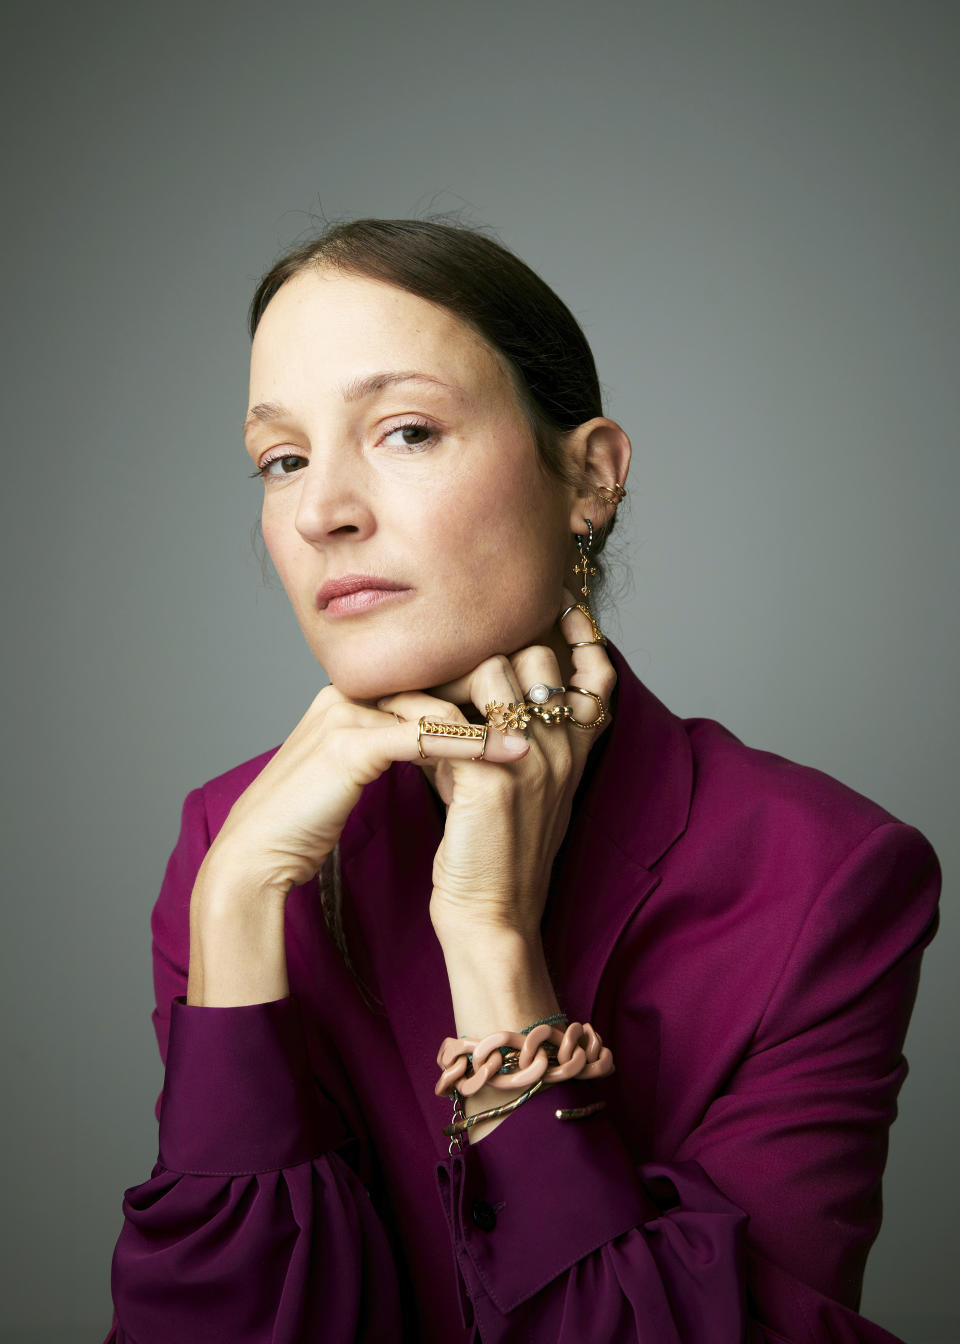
(583, 565)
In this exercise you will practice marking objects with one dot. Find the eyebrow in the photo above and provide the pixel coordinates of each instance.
(269, 412)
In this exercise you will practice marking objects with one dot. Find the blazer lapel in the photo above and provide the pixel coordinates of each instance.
(388, 872)
(632, 804)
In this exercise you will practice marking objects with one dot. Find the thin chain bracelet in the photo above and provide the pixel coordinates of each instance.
(460, 1125)
(455, 1129)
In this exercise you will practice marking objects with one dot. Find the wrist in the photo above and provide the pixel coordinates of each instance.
(498, 982)
(237, 939)
(227, 879)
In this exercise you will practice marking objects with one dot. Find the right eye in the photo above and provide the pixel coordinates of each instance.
(264, 471)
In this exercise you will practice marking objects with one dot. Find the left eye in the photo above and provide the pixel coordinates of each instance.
(423, 432)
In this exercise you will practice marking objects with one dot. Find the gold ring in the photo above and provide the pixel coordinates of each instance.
(598, 636)
(474, 732)
(581, 690)
(551, 714)
(514, 717)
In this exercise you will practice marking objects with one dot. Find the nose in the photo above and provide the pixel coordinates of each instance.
(334, 497)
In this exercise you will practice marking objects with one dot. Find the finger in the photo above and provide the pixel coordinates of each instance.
(537, 670)
(536, 667)
(413, 704)
(592, 668)
(493, 679)
(493, 688)
(415, 708)
(491, 682)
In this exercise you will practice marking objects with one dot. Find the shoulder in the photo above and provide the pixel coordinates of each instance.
(202, 813)
(218, 794)
(760, 791)
(800, 892)
(789, 832)
(690, 791)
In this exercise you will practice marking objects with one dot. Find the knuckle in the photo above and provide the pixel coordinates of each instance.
(540, 772)
(348, 752)
(497, 662)
(338, 741)
(339, 715)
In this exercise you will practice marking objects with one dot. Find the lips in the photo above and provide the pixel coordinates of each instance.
(355, 583)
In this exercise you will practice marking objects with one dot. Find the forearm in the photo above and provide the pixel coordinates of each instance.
(497, 983)
(237, 948)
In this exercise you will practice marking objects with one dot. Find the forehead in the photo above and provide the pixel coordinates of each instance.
(327, 322)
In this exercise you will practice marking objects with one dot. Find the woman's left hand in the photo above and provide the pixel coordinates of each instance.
(505, 823)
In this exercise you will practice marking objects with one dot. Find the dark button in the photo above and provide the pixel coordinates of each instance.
(484, 1215)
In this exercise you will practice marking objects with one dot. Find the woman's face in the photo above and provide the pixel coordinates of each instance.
(431, 481)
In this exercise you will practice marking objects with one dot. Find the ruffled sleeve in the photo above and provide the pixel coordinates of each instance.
(253, 1226)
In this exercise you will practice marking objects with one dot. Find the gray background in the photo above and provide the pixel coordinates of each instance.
(751, 207)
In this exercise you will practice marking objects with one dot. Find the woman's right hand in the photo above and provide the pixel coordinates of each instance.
(286, 822)
(282, 827)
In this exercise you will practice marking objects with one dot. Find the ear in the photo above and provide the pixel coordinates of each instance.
(600, 452)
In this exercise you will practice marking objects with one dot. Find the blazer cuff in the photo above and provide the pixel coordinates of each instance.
(538, 1194)
(239, 1095)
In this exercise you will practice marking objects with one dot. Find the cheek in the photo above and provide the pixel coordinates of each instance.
(271, 539)
(486, 511)
(276, 538)
(269, 525)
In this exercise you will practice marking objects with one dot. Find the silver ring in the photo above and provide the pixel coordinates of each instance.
(540, 693)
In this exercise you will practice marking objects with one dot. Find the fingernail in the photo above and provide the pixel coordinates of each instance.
(512, 743)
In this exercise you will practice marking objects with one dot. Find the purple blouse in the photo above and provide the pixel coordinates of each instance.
(745, 933)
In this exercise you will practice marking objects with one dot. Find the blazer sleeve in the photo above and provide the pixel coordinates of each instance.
(252, 1227)
(758, 1227)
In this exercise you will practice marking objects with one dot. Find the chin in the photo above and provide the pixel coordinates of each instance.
(418, 660)
(384, 673)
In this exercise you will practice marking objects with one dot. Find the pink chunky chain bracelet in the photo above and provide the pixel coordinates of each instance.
(580, 1054)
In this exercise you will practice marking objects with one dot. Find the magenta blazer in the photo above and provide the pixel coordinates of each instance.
(746, 935)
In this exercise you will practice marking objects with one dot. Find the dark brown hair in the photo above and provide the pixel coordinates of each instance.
(515, 312)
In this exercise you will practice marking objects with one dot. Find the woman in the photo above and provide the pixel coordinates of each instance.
(670, 974)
